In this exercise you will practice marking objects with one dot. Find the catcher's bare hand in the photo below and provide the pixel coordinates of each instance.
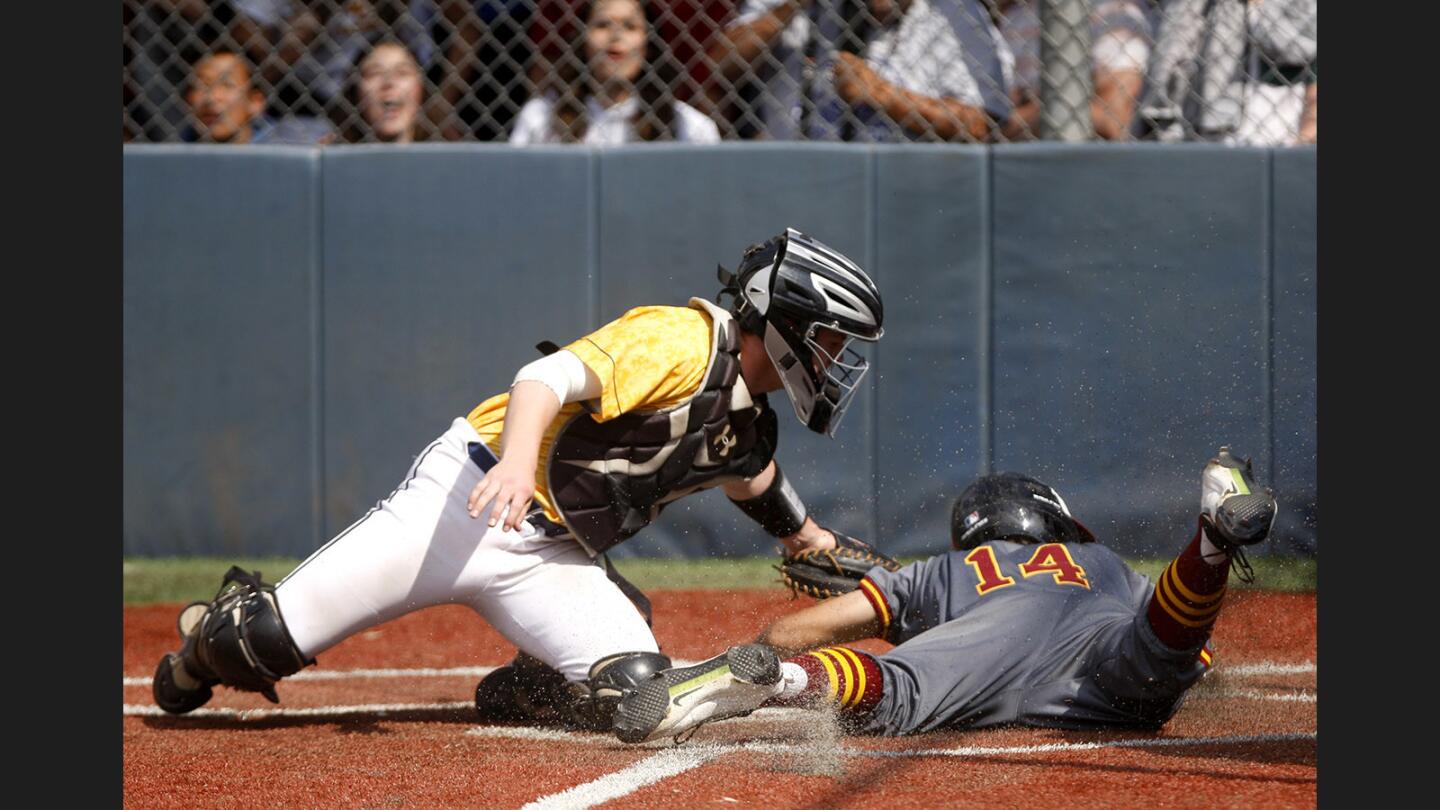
(511, 484)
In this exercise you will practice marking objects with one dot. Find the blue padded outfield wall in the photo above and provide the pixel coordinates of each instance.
(299, 323)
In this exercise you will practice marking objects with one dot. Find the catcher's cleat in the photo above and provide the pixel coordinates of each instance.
(1234, 510)
(674, 701)
(523, 691)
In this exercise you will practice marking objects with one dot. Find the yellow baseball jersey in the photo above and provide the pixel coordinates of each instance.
(648, 359)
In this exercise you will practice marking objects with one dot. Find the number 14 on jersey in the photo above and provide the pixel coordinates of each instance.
(1050, 558)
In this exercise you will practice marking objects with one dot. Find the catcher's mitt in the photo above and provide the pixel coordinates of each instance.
(823, 573)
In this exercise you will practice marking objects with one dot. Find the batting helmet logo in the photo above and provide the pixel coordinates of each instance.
(1014, 507)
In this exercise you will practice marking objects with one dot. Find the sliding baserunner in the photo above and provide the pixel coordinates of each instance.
(1027, 620)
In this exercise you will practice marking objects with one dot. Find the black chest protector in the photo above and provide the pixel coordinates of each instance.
(611, 479)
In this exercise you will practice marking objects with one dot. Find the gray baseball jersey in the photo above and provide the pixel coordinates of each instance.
(1043, 635)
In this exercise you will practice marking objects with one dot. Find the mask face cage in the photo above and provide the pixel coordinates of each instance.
(820, 384)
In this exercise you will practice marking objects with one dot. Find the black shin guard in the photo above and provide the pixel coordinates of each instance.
(241, 642)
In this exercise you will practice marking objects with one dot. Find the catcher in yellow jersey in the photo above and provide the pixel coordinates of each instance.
(511, 510)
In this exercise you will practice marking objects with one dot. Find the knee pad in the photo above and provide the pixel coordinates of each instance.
(595, 698)
(241, 641)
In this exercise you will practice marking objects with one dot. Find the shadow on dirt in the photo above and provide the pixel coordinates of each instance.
(1165, 772)
(354, 722)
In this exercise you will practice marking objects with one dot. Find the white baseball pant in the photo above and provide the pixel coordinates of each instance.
(419, 547)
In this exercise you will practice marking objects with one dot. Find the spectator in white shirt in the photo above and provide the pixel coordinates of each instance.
(614, 86)
(1241, 73)
(865, 70)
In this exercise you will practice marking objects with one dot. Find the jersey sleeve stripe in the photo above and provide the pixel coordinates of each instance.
(877, 601)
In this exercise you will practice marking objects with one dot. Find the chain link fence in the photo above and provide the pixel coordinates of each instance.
(535, 71)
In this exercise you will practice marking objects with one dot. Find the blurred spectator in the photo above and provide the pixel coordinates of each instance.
(912, 69)
(225, 107)
(307, 49)
(1120, 38)
(685, 25)
(1238, 72)
(384, 98)
(278, 36)
(759, 68)
(319, 41)
(614, 85)
(160, 40)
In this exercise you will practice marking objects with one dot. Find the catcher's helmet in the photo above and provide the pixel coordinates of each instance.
(788, 290)
(1011, 506)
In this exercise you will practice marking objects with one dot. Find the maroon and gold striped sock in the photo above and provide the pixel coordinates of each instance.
(1187, 598)
(848, 679)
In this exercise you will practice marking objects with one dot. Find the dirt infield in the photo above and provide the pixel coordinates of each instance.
(383, 722)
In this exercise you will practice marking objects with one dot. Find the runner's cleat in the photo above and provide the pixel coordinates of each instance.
(1234, 510)
(1240, 511)
(674, 701)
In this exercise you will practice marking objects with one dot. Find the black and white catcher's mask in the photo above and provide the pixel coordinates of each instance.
(808, 302)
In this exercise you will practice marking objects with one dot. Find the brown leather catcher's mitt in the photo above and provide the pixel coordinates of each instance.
(832, 571)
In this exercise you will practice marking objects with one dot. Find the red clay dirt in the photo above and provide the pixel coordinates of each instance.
(426, 757)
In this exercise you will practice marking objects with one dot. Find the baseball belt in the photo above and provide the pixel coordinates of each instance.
(484, 458)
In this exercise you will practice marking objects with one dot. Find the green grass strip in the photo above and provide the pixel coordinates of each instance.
(187, 579)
